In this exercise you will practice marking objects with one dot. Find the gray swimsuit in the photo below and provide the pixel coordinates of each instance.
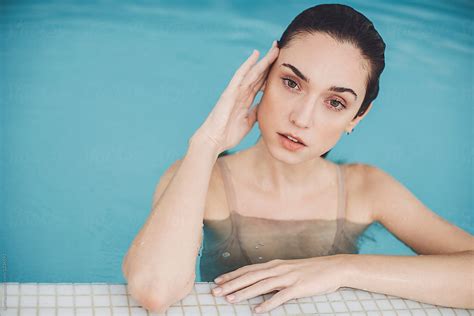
(240, 240)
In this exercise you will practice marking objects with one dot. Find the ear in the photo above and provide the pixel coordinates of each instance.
(356, 121)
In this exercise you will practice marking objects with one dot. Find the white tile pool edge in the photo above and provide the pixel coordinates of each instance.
(113, 299)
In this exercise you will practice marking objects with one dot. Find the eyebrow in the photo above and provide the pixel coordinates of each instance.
(304, 78)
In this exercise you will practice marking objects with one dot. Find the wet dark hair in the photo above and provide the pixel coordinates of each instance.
(344, 24)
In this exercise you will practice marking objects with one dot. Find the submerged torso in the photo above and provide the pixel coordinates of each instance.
(240, 240)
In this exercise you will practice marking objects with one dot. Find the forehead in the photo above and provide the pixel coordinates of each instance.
(326, 61)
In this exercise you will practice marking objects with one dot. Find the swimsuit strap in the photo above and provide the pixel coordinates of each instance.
(231, 203)
(228, 186)
(341, 204)
(341, 208)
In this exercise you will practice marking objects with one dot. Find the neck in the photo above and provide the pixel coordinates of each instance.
(274, 175)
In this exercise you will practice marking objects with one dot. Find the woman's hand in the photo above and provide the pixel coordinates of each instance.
(291, 278)
(231, 119)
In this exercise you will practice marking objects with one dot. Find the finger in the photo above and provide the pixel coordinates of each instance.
(261, 68)
(262, 286)
(246, 280)
(247, 94)
(252, 82)
(268, 59)
(254, 85)
(242, 270)
(276, 300)
(264, 85)
(252, 115)
(261, 83)
(243, 70)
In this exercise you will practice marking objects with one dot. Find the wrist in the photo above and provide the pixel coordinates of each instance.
(201, 146)
(347, 268)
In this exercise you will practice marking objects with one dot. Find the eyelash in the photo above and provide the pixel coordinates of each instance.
(331, 107)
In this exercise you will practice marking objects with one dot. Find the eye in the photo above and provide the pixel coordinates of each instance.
(291, 84)
(336, 105)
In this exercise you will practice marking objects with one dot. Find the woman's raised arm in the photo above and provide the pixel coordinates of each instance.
(160, 264)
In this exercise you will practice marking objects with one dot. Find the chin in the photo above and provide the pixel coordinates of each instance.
(278, 152)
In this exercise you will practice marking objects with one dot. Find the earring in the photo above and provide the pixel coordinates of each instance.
(350, 131)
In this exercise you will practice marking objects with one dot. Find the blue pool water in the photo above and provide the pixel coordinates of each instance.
(97, 99)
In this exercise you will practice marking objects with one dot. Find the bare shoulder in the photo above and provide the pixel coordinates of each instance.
(372, 184)
(401, 212)
(377, 179)
(216, 204)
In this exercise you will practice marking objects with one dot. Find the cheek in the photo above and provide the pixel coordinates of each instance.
(269, 110)
(327, 134)
(329, 127)
(264, 115)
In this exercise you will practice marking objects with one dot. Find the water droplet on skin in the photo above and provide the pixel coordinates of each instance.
(256, 247)
(139, 243)
(225, 254)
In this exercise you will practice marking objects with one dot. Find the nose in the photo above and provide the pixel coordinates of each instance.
(302, 116)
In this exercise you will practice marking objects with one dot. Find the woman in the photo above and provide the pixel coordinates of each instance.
(278, 216)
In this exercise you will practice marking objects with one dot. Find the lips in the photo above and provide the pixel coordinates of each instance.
(295, 137)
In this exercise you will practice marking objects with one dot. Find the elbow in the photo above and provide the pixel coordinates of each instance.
(147, 297)
(157, 297)
(125, 267)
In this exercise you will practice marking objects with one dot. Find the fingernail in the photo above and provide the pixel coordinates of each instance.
(217, 290)
(258, 309)
(217, 280)
(231, 297)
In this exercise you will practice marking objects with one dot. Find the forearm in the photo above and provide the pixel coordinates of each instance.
(166, 248)
(445, 280)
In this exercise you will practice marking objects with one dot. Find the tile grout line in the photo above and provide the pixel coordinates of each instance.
(74, 298)
(344, 301)
(375, 302)
(408, 309)
(92, 299)
(55, 299)
(314, 304)
(215, 302)
(299, 306)
(371, 298)
(250, 306)
(198, 304)
(128, 300)
(37, 298)
(437, 308)
(390, 302)
(330, 304)
(110, 298)
(19, 299)
(4, 296)
(181, 306)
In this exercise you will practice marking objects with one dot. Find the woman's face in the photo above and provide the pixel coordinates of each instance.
(313, 90)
